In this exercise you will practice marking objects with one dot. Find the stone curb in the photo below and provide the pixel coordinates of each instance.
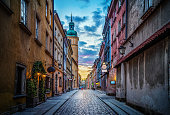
(54, 109)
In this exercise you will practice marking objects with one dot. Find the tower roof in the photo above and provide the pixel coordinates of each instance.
(71, 31)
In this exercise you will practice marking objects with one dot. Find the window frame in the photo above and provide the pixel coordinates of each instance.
(23, 81)
(148, 3)
(46, 9)
(37, 28)
(119, 26)
(24, 12)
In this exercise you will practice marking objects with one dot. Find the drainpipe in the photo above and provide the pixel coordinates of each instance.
(53, 54)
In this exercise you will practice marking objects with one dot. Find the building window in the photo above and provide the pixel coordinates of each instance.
(46, 10)
(47, 82)
(119, 26)
(55, 33)
(24, 12)
(7, 2)
(50, 17)
(147, 4)
(60, 82)
(20, 79)
(119, 3)
(37, 28)
(46, 40)
(115, 13)
(124, 21)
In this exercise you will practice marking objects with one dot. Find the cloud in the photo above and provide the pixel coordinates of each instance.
(92, 46)
(77, 19)
(105, 4)
(94, 34)
(90, 28)
(97, 17)
(62, 22)
(85, 52)
(82, 43)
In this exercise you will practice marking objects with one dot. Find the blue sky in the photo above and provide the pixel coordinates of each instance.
(88, 16)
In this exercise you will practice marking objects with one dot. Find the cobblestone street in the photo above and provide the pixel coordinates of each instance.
(81, 102)
(85, 102)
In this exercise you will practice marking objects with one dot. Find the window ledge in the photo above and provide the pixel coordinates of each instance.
(7, 9)
(25, 28)
(19, 96)
(38, 42)
(147, 13)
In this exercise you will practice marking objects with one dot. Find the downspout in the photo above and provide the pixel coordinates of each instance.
(53, 54)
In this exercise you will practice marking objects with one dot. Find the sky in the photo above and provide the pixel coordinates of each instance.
(89, 17)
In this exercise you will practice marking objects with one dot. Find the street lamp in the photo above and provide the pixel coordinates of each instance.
(122, 50)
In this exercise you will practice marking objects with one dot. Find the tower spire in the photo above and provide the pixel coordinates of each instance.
(71, 17)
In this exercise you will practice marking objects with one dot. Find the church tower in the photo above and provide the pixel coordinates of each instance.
(72, 35)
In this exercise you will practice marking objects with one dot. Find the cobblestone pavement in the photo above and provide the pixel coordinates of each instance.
(85, 102)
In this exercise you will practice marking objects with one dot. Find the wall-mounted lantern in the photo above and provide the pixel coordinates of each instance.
(122, 50)
(51, 70)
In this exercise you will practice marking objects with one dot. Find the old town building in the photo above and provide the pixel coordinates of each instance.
(25, 40)
(68, 79)
(59, 35)
(72, 35)
(117, 15)
(143, 69)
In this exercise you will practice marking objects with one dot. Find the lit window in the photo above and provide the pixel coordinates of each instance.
(24, 12)
(20, 79)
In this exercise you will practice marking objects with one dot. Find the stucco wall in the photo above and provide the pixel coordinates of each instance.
(147, 78)
(16, 46)
(153, 23)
